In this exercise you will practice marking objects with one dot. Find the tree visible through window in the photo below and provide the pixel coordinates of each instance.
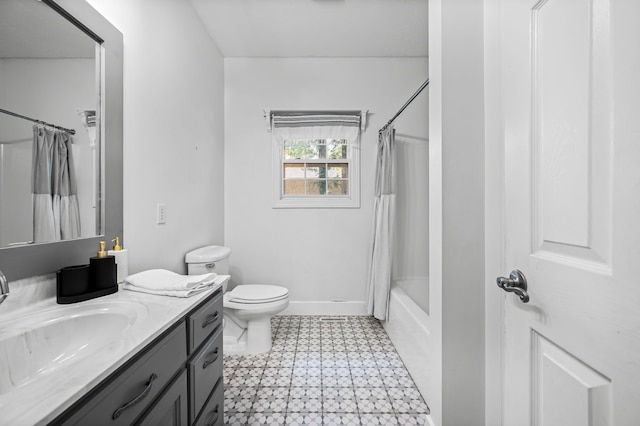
(317, 167)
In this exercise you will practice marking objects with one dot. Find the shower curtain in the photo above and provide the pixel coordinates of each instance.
(379, 282)
(56, 214)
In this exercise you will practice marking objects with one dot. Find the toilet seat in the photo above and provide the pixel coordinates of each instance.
(256, 294)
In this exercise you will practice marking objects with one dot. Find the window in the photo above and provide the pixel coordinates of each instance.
(316, 160)
(315, 168)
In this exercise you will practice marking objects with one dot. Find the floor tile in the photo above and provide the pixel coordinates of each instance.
(373, 400)
(339, 400)
(238, 399)
(407, 401)
(335, 419)
(271, 419)
(337, 382)
(307, 419)
(246, 377)
(381, 419)
(410, 419)
(305, 400)
(280, 359)
(303, 361)
(398, 382)
(276, 376)
(236, 419)
(343, 372)
(255, 361)
(231, 361)
(271, 400)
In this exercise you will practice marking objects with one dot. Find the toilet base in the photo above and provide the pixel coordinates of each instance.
(255, 339)
(247, 329)
(233, 345)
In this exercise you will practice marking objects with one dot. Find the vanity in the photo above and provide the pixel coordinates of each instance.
(139, 359)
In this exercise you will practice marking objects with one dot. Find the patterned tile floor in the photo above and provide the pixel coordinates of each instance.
(327, 371)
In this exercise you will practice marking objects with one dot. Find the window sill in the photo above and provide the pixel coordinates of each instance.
(317, 203)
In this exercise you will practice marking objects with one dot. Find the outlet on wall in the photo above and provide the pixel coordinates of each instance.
(161, 214)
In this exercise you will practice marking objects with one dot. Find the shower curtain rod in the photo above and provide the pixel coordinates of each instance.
(425, 84)
(70, 131)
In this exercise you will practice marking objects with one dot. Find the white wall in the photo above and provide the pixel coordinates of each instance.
(494, 215)
(411, 250)
(50, 90)
(318, 254)
(173, 131)
(456, 214)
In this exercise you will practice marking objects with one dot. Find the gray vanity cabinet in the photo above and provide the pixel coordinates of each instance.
(203, 321)
(213, 412)
(171, 407)
(175, 380)
(133, 388)
(205, 364)
(204, 372)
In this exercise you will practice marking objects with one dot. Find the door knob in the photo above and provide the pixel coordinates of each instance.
(516, 283)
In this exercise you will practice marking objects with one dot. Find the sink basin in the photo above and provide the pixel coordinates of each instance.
(44, 342)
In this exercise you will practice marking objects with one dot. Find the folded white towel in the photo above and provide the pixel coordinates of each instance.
(164, 280)
(174, 293)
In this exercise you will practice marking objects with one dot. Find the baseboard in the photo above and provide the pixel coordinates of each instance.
(325, 308)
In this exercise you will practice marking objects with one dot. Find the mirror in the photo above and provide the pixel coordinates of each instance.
(50, 73)
(61, 63)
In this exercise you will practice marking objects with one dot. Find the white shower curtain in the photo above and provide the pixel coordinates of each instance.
(379, 282)
(56, 214)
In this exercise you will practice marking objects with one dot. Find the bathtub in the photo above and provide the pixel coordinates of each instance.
(408, 329)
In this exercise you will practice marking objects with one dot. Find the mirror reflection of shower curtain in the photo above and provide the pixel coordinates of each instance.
(379, 282)
(56, 214)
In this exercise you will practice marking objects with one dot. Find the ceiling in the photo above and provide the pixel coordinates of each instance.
(316, 28)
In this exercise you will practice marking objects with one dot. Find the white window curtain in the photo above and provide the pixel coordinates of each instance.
(379, 279)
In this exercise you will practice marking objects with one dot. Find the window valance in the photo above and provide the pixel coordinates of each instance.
(279, 119)
(289, 125)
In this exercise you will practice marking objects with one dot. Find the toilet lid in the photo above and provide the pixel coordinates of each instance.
(257, 293)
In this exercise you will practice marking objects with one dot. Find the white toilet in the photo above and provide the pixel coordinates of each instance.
(248, 308)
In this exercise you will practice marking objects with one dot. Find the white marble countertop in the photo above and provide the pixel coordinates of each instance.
(43, 399)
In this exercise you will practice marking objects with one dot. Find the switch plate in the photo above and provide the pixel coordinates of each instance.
(161, 216)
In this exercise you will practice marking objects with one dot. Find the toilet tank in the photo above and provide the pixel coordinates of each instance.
(208, 259)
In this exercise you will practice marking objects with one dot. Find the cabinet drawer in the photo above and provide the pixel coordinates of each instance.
(131, 392)
(213, 411)
(204, 320)
(204, 371)
(171, 407)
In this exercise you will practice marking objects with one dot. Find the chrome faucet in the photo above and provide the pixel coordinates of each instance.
(4, 287)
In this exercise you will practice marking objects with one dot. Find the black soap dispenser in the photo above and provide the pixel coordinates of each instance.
(102, 271)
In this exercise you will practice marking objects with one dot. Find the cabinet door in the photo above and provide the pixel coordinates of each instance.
(213, 411)
(204, 321)
(128, 395)
(171, 408)
(204, 371)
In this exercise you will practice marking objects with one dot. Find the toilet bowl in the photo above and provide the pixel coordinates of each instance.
(247, 308)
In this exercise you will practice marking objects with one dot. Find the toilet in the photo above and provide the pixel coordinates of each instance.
(247, 308)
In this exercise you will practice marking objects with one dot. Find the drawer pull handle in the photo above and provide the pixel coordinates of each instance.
(210, 361)
(137, 399)
(213, 318)
(215, 418)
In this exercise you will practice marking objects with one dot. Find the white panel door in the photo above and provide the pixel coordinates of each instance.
(570, 72)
